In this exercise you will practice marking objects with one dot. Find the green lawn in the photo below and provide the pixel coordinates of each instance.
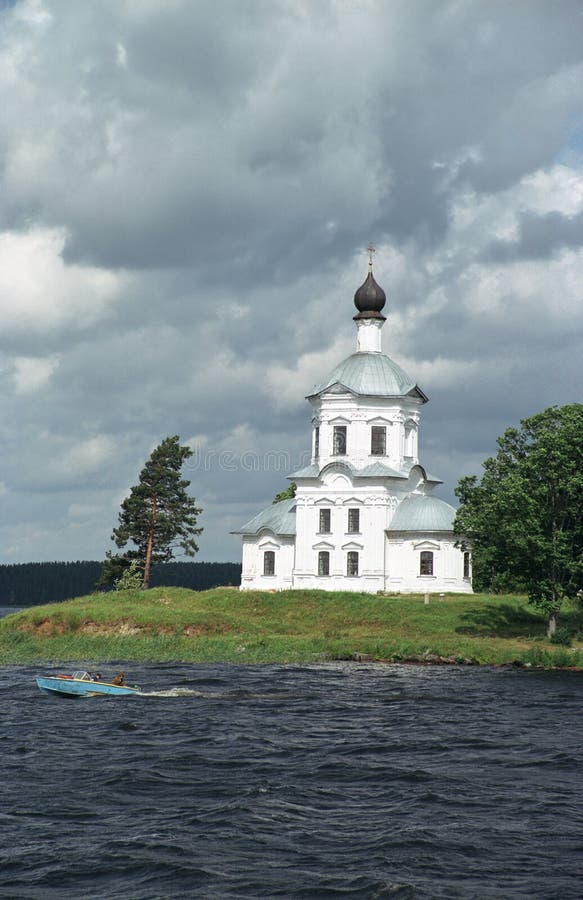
(224, 624)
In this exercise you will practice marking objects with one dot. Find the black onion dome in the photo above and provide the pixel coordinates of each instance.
(370, 299)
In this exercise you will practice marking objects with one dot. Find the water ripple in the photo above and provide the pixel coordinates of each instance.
(337, 780)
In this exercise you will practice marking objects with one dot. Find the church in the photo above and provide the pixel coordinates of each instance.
(364, 517)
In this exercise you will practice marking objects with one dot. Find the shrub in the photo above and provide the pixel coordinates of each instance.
(131, 579)
(562, 636)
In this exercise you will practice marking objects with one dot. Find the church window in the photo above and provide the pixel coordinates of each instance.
(426, 563)
(352, 563)
(269, 562)
(466, 564)
(324, 521)
(323, 562)
(316, 441)
(353, 521)
(378, 440)
(339, 441)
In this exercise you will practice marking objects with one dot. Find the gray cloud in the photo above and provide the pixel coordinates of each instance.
(539, 237)
(187, 193)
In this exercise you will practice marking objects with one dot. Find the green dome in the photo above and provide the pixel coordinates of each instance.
(423, 513)
(370, 374)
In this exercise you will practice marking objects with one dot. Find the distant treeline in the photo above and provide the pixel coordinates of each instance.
(28, 584)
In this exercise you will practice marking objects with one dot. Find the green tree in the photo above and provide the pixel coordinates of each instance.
(131, 579)
(524, 518)
(158, 516)
(289, 492)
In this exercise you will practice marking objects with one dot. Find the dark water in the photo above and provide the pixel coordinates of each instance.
(340, 780)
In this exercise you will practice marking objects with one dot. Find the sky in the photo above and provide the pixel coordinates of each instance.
(187, 191)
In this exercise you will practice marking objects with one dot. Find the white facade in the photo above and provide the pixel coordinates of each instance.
(363, 518)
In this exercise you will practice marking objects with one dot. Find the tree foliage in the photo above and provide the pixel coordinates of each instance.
(131, 578)
(524, 517)
(288, 494)
(158, 516)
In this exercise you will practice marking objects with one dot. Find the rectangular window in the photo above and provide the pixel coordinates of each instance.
(378, 440)
(339, 441)
(323, 562)
(353, 521)
(426, 563)
(466, 564)
(352, 563)
(269, 562)
(324, 521)
(316, 441)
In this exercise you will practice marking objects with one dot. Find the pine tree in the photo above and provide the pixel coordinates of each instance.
(157, 516)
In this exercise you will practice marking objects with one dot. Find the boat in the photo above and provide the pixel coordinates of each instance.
(82, 684)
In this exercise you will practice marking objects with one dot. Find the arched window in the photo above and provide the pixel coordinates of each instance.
(323, 562)
(467, 563)
(378, 440)
(353, 521)
(269, 562)
(426, 562)
(339, 440)
(352, 563)
(324, 521)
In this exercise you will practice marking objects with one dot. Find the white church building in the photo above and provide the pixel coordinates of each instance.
(364, 517)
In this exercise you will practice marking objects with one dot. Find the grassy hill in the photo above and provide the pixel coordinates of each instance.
(223, 624)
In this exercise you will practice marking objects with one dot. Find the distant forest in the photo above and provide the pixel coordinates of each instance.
(28, 584)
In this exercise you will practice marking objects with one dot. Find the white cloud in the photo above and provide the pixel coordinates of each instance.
(39, 292)
(31, 374)
(88, 456)
(83, 511)
(33, 12)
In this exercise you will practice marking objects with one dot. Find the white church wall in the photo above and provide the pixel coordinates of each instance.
(254, 549)
(338, 494)
(403, 555)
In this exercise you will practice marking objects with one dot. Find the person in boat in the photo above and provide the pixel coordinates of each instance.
(119, 679)
(97, 676)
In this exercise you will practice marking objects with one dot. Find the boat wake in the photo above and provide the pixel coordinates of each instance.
(175, 692)
(218, 695)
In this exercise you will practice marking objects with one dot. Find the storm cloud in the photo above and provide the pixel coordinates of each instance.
(188, 189)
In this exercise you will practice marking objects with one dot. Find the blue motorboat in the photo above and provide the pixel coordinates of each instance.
(83, 684)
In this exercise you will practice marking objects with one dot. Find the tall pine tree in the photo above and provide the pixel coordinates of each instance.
(158, 516)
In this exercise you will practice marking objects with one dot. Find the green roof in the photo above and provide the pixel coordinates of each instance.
(372, 375)
(423, 513)
(373, 470)
(279, 518)
(307, 472)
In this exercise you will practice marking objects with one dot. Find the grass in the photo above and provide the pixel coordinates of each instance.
(226, 625)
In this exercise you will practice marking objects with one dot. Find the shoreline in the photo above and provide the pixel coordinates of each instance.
(225, 625)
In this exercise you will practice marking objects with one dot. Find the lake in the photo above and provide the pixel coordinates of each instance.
(333, 780)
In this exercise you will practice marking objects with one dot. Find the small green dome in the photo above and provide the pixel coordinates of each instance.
(423, 513)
